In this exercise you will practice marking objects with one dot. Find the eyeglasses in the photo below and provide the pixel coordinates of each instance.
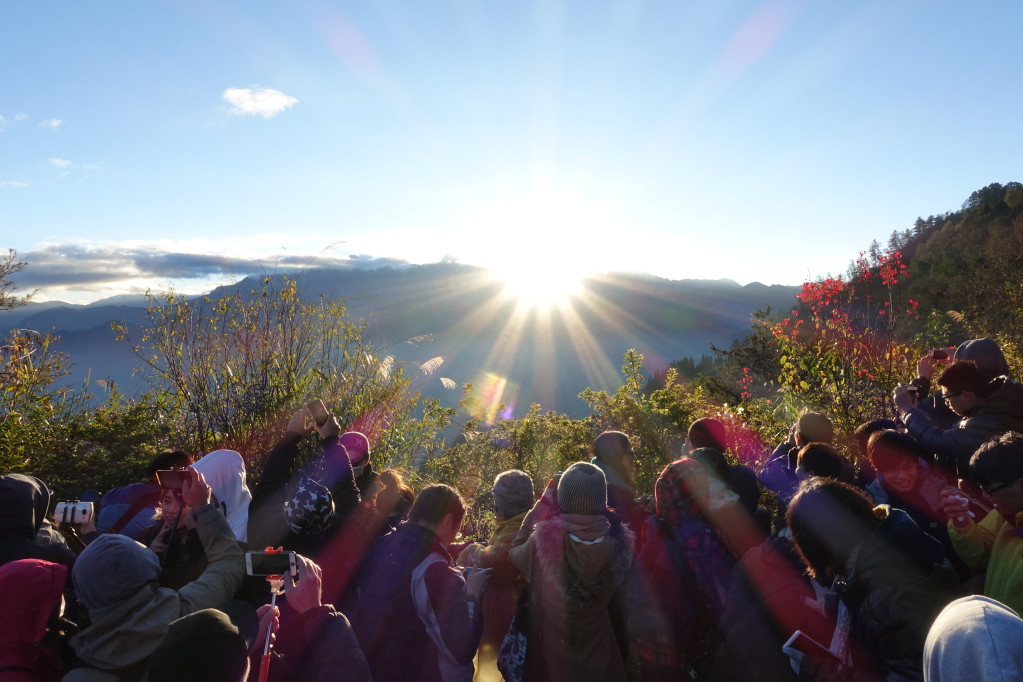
(994, 490)
(946, 396)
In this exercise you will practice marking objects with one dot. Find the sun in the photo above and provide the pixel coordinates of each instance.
(544, 243)
(539, 286)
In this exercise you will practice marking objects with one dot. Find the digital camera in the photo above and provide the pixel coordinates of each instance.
(73, 512)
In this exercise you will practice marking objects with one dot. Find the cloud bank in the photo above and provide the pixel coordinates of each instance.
(256, 101)
(76, 267)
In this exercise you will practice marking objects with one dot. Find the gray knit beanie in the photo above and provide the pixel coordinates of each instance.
(582, 490)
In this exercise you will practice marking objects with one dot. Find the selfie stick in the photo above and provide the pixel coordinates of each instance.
(276, 587)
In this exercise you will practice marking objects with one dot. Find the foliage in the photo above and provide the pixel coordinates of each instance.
(844, 354)
(50, 430)
(233, 368)
(10, 266)
(541, 443)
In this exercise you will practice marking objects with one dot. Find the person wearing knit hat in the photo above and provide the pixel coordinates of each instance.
(682, 576)
(574, 562)
(582, 490)
(115, 578)
(513, 497)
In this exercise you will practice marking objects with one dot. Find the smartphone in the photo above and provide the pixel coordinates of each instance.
(939, 354)
(263, 564)
(810, 647)
(171, 478)
(318, 412)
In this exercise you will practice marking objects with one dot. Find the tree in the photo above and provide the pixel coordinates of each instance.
(9, 266)
(234, 367)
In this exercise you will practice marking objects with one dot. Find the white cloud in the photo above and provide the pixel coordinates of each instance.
(20, 117)
(13, 183)
(51, 123)
(59, 163)
(257, 101)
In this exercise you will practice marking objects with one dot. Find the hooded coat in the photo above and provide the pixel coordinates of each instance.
(574, 565)
(895, 584)
(975, 638)
(224, 471)
(32, 590)
(116, 580)
(24, 501)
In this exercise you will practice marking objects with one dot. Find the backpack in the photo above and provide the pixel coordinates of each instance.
(654, 623)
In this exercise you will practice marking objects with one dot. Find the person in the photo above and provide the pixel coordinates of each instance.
(866, 476)
(24, 501)
(771, 596)
(392, 499)
(314, 641)
(909, 485)
(32, 632)
(303, 508)
(820, 459)
(984, 352)
(513, 498)
(175, 543)
(224, 471)
(575, 561)
(418, 617)
(975, 638)
(892, 579)
(131, 508)
(114, 578)
(995, 543)
(204, 646)
(779, 472)
(681, 578)
(742, 480)
(356, 444)
(987, 409)
(613, 455)
(725, 510)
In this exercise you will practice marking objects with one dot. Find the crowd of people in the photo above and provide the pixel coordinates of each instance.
(902, 560)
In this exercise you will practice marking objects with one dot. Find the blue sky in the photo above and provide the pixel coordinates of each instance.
(187, 143)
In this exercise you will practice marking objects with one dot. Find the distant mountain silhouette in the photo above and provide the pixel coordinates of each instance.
(537, 355)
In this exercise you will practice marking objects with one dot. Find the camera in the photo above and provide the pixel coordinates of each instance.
(73, 512)
(914, 391)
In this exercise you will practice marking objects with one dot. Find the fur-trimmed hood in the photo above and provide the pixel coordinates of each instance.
(581, 556)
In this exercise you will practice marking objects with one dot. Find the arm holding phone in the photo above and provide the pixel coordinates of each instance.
(223, 574)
